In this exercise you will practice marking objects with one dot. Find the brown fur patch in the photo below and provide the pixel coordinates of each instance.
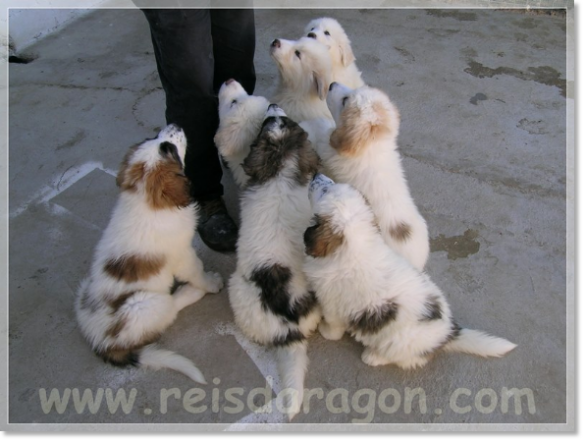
(117, 303)
(128, 175)
(320, 239)
(167, 186)
(400, 232)
(353, 135)
(116, 327)
(132, 268)
(268, 155)
(122, 355)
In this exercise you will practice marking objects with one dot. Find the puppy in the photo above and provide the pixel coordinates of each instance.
(362, 151)
(304, 68)
(240, 118)
(268, 292)
(366, 288)
(329, 32)
(126, 304)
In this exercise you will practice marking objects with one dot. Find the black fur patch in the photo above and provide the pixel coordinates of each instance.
(433, 309)
(291, 337)
(169, 150)
(273, 282)
(374, 319)
(269, 152)
(119, 357)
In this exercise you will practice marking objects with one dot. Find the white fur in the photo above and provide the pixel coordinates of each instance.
(303, 82)
(240, 117)
(329, 32)
(377, 170)
(136, 229)
(363, 272)
(274, 216)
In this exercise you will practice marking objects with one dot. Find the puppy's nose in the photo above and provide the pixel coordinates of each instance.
(332, 85)
(230, 81)
(275, 43)
(311, 35)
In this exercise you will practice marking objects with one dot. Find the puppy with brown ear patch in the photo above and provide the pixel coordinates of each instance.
(329, 32)
(268, 292)
(126, 303)
(304, 68)
(362, 151)
(366, 288)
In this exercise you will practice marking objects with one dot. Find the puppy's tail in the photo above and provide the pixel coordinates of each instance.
(292, 366)
(153, 357)
(479, 343)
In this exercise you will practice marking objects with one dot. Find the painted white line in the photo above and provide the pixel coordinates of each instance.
(59, 184)
(265, 360)
(57, 210)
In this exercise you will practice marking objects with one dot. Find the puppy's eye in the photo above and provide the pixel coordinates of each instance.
(344, 100)
(298, 54)
(234, 102)
(326, 33)
(312, 29)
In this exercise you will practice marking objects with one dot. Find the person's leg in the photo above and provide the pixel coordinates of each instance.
(234, 42)
(183, 48)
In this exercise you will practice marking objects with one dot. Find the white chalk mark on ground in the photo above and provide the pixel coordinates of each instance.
(265, 360)
(59, 184)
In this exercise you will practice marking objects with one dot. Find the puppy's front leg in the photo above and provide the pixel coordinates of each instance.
(191, 270)
(187, 295)
(331, 330)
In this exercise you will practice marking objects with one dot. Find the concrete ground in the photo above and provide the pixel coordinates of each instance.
(482, 95)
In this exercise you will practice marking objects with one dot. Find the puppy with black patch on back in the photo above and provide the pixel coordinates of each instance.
(268, 292)
(329, 32)
(126, 303)
(304, 68)
(240, 118)
(362, 151)
(366, 288)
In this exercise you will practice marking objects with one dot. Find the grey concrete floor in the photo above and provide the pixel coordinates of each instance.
(483, 139)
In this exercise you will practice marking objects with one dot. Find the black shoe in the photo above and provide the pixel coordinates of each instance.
(217, 230)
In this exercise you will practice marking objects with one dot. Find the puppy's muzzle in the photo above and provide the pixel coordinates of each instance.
(274, 111)
(319, 186)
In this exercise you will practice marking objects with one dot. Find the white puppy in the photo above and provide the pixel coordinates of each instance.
(126, 303)
(362, 151)
(329, 32)
(240, 118)
(366, 288)
(268, 292)
(304, 68)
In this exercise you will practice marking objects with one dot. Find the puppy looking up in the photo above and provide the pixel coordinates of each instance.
(362, 151)
(240, 118)
(304, 68)
(329, 32)
(366, 288)
(126, 304)
(268, 292)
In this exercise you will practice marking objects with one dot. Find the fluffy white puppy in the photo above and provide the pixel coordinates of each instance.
(240, 118)
(362, 151)
(366, 288)
(329, 32)
(126, 303)
(268, 292)
(304, 68)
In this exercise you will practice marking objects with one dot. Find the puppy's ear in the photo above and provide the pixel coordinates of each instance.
(170, 152)
(355, 133)
(129, 175)
(167, 186)
(321, 81)
(346, 53)
(320, 239)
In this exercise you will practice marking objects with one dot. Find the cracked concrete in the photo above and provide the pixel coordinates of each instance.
(482, 97)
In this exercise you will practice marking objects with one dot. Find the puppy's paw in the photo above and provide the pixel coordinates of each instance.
(369, 357)
(213, 282)
(331, 333)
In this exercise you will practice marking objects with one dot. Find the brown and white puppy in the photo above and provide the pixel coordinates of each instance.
(126, 303)
(366, 288)
(268, 292)
(362, 151)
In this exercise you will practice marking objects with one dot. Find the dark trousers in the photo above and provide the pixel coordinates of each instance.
(196, 50)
